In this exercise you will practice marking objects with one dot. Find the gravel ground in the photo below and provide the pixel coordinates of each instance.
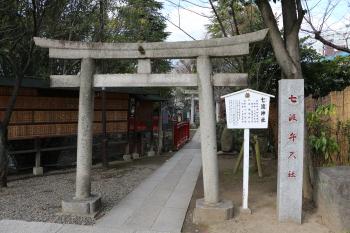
(39, 198)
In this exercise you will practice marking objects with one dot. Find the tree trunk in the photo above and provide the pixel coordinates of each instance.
(3, 158)
(4, 124)
(287, 53)
(273, 125)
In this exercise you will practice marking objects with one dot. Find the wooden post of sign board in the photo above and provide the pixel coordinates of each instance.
(257, 155)
(239, 159)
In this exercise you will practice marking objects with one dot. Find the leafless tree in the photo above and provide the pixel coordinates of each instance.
(322, 30)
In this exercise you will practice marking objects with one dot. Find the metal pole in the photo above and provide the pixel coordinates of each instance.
(245, 170)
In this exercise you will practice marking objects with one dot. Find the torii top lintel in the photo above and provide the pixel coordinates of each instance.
(221, 47)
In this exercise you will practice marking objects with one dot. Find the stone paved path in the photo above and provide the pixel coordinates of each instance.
(157, 205)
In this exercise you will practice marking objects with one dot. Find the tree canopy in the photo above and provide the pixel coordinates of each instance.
(80, 20)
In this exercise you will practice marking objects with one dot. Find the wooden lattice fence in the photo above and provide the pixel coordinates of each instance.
(36, 115)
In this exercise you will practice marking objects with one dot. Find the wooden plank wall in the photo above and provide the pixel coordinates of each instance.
(42, 115)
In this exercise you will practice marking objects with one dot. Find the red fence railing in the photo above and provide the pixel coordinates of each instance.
(181, 134)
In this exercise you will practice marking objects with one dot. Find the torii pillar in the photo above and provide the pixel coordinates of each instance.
(84, 202)
(211, 208)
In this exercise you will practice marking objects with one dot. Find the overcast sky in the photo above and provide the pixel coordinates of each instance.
(190, 15)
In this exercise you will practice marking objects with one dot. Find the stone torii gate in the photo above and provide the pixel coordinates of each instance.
(84, 203)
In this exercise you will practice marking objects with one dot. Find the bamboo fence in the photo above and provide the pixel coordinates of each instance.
(338, 121)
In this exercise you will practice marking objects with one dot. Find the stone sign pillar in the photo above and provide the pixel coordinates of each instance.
(290, 149)
(211, 208)
(84, 203)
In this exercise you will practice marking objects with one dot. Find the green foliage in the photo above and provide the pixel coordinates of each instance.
(321, 141)
(323, 76)
(139, 20)
(321, 115)
(324, 145)
(264, 71)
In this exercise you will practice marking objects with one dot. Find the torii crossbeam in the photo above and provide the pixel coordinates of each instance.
(84, 203)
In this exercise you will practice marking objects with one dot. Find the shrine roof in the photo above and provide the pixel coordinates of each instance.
(247, 90)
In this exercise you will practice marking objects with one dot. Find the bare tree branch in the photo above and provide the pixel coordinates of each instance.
(317, 32)
(180, 28)
(328, 12)
(329, 43)
(195, 4)
(200, 14)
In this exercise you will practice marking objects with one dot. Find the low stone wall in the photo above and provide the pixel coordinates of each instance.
(332, 196)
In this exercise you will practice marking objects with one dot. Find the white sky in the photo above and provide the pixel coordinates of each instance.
(194, 24)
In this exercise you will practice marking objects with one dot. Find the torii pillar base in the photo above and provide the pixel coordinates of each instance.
(206, 214)
(89, 207)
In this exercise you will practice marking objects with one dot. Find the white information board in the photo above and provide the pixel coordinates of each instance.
(247, 109)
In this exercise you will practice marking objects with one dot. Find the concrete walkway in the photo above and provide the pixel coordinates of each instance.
(158, 205)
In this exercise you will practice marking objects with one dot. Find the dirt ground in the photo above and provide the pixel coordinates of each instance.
(262, 202)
